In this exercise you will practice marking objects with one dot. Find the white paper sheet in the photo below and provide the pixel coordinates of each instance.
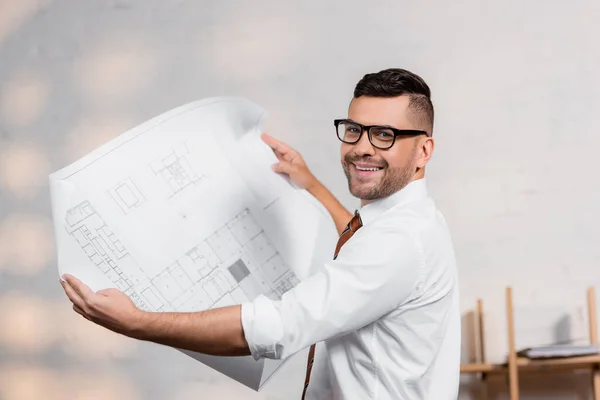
(183, 213)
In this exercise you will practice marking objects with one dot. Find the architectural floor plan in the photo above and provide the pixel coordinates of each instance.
(174, 170)
(183, 213)
(233, 265)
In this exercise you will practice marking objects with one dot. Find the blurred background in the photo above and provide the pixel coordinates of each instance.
(516, 89)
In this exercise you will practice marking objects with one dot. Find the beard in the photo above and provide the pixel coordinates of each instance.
(393, 179)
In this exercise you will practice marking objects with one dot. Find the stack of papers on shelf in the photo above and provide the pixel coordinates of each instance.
(552, 351)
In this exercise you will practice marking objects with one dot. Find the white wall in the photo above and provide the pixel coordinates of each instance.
(516, 90)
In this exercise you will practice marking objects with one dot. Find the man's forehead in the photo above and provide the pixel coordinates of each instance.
(391, 111)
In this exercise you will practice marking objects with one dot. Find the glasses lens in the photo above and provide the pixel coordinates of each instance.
(348, 132)
(382, 137)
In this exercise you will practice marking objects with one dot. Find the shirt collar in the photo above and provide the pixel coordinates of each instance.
(415, 190)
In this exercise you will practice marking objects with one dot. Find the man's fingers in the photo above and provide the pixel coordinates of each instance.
(80, 288)
(281, 150)
(72, 294)
(278, 154)
(283, 167)
(109, 291)
(80, 312)
(277, 145)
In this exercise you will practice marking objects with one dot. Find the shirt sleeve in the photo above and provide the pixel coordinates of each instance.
(374, 273)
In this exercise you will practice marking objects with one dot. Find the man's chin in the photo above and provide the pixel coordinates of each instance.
(363, 192)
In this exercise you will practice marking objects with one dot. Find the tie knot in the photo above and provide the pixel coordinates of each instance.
(355, 222)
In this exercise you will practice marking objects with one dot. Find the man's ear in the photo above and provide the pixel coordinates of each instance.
(424, 151)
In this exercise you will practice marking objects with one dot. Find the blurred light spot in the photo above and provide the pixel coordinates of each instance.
(27, 324)
(31, 324)
(85, 341)
(23, 99)
(92, 385)
(116, 70)
(29, 383)
(23, 169)
(92, 132)
(13, 14)
(26, 244)
(35, 383)
(248, 53)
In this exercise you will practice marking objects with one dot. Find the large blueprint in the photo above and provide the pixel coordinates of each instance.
(183, 213)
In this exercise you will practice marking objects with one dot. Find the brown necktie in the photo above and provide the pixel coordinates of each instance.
(354, 224)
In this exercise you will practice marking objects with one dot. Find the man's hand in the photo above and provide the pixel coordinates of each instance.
(291, 163)
(217, 332)
(109, 308)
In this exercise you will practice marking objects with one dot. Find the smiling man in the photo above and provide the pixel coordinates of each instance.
(385, 307)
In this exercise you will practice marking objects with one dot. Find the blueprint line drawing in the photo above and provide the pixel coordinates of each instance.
(184, 213)
(98, 242)
(227, 264)
(175, 171)
(127, 195)
(237, 261)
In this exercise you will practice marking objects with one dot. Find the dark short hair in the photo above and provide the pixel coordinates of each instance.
(394, 82)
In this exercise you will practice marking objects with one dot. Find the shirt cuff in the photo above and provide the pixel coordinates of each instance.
(263, 328)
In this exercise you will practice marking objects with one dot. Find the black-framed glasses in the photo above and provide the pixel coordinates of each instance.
(381, 137)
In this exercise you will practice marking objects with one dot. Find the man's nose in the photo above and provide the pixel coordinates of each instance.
(363, 146)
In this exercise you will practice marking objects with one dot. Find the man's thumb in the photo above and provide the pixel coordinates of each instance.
(282, 167)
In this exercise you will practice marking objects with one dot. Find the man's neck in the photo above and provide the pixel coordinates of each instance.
(417, 176)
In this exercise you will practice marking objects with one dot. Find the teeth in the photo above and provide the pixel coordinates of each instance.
(367, 169)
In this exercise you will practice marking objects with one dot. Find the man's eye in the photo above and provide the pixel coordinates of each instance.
(384, 135)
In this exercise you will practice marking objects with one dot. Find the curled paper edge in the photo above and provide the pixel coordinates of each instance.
(61, 195)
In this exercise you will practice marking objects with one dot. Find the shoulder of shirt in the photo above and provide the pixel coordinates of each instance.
(399, 224)
(406, 217)
(408, 223)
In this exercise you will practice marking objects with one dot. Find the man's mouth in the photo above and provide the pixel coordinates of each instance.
(366, 169)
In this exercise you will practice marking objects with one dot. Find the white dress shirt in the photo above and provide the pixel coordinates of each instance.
(386, 309)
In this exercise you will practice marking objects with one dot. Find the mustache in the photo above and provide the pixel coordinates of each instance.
(348, 159)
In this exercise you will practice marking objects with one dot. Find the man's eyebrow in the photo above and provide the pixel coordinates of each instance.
(381, 126)
(387, 126)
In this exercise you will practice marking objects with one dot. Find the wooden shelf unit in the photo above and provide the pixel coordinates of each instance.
(516, 365)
